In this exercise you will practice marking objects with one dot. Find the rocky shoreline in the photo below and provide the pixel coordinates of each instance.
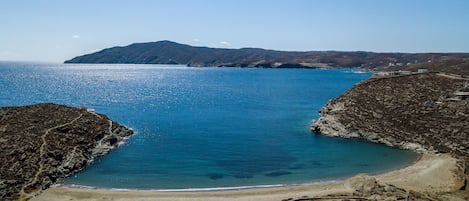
(422, 112)
(426, 113)
(43, 143)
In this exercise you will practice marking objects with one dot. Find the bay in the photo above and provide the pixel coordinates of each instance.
(204, 127)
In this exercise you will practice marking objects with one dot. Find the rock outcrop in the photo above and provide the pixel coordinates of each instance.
(427, 113)
(43, 143)
(422, 112)
(367, 188)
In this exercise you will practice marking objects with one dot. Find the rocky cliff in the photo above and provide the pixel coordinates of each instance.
(45, 142)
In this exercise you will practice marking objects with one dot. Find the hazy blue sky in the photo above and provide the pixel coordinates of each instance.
(56, 30)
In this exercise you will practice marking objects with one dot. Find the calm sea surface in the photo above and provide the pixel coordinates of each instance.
(204, 127)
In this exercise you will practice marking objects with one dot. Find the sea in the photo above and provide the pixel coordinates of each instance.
(205, 128)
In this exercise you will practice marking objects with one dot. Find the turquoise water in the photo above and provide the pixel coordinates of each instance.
(204, 127)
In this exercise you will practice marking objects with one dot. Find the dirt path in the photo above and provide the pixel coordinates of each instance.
(23, 194)
(453, 76)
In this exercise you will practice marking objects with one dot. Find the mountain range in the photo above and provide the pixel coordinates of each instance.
(168, 52)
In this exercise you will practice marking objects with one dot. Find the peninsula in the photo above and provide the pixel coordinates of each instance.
(423, 112)
(45, 142)
(168, 52)
(426, 112)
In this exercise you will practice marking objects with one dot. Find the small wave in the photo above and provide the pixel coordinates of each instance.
(360, 72)
(218, 188)
(126, 138)
(79, 186)
(198, 189)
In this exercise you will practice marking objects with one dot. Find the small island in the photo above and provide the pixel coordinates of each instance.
(42, 143)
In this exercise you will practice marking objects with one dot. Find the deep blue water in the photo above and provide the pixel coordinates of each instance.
(204, 127)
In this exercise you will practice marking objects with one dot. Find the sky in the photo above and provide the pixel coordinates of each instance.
(57, 30)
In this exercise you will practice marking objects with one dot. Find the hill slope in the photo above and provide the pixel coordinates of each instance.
(45, 142)
(427, 111)
(167, 52)
(458, 66)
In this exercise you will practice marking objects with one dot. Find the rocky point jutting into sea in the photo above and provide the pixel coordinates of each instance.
(424, 112)
(45, 142)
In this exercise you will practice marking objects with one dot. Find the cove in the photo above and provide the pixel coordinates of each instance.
(205, 127)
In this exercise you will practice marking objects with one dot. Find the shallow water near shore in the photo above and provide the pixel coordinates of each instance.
(205, 127)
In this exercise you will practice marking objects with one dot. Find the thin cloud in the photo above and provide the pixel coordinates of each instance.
(225, 43)
(75, 36)
(196, 40)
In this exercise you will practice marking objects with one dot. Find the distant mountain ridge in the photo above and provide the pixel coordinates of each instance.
(168, 52)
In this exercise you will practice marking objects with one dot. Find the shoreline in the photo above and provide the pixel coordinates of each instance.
(431, 173)
(195, 190)
(247, 187)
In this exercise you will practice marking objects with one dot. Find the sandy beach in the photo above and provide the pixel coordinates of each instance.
(432, 173)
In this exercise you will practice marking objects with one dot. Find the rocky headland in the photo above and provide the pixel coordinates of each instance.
(426, 113)
(43, 143)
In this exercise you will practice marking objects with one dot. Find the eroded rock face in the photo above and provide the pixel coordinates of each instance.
(418, 112)
(45, 142)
